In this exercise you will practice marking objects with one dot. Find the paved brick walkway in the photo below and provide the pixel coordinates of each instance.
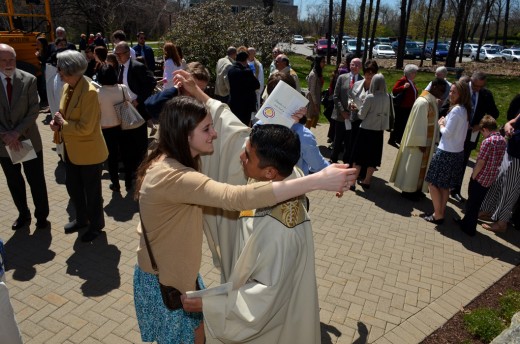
(384, 274)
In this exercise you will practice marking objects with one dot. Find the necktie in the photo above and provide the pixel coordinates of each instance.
(352, 81)
(473, 104)
(121, 73)
(9, 89)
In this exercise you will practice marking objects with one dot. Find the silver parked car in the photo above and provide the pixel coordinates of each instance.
(511, 55)
(298, 39)
(383, 51)
(486, 54)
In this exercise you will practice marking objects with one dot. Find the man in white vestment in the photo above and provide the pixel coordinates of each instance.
(418, 143)
(274, 297)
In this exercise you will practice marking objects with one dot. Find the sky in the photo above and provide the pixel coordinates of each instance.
(304, 4)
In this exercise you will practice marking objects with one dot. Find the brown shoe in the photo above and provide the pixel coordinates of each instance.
(497, 227)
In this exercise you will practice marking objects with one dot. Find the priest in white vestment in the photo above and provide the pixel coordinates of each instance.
(418, 143)
(274, 297)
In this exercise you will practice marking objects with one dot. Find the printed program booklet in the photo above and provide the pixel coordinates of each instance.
(25, 153)
(280, 105)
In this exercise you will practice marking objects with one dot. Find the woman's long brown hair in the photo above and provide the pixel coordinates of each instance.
(177, 121)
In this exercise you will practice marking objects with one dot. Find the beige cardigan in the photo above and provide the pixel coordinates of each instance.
(170, 203)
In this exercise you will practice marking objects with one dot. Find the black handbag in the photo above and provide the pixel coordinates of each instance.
(171, 296)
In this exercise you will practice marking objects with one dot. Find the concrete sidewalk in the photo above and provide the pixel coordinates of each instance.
(384, 274)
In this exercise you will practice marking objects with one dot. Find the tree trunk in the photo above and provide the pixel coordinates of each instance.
(341, 28)
(506, 23)
(489, 4)
(369, 20)
(452, 57)
(331, 5)
(436, 34)
(426, 33)
(360, 27)
(402, 36)
(499, 14)
(374, 27)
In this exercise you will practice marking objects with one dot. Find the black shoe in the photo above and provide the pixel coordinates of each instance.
(433, 220)
(393, 143)
(460, 224)
(456, 196)
(90, 235)
(74, 226)
(412, 196)
(115, 187)
(43, 224)
(363, 185)
(21, 222)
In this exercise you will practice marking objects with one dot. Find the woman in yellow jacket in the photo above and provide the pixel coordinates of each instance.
(78, 126)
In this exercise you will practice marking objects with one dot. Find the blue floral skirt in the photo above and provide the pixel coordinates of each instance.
(156, 322)
(446, 169)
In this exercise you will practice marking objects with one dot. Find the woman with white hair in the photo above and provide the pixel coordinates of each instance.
(405, 93)
(375, 116)
(77, 125)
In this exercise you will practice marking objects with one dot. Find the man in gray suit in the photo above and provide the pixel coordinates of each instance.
(19, 110)
(343, 139)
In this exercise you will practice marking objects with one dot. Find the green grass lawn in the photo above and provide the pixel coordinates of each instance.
(503, 88)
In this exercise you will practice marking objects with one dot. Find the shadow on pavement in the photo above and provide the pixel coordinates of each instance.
(390, 200)
(122, 208)
(97, 263)
(325, 330)
(480, 243)
(363, 334)
(25, 250)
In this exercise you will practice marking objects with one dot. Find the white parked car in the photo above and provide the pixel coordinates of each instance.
(383, 51)
(469, 48)
(511, 55)
(486, 54)
(497, 47)
(298, 39)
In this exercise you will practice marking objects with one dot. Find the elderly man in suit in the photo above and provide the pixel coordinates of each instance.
(19, 103)
(140, 83)
(483, 103)
(342, 92)
(223, 66)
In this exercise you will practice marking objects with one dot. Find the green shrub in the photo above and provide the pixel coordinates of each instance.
(484, 323)
(509, 304)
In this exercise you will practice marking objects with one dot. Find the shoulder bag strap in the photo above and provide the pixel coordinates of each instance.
(148, 247)
(124, 100)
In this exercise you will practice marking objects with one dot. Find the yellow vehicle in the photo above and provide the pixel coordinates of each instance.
(21, 23)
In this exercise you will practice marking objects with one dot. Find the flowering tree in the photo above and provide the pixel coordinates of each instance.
(204, 32)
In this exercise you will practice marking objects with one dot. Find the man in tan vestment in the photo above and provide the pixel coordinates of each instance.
(418, 143)
(274, 297)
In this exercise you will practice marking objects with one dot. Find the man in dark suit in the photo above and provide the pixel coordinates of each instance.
(19, 104)
(482, 103)
(141, 49)
(140, 83)
(242, 88)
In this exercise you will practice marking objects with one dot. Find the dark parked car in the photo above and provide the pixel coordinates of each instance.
(411, 51)
(320, 47)
(440, 53)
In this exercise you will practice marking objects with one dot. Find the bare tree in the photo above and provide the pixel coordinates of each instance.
(436, 34)
(425, 37)
(341, 29)
(402, 36)
(506, 23)
(361, 24)
(374, 27)
(367, 33)
(489, 4)
(452, 56)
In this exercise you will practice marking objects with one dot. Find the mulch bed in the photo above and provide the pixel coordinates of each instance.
(454, 331)
(511, 69)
